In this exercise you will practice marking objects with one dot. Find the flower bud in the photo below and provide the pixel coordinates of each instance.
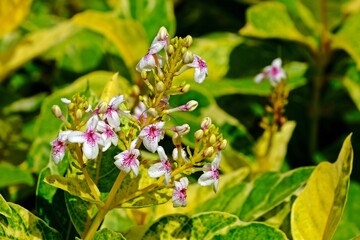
(208, 152)
(163, 33)
(222, 145)
(205, 124)
(160, 87)
(189, 106)
(143, 74)
(176, 139)
(78, 114)
(212, 139)
(182, 130)
(55, 109)
(188, 57)
(183, 50)
(199, 134)
(185, 88)
(170, 49)
(152, 112)
(71, 106)
(188, 41)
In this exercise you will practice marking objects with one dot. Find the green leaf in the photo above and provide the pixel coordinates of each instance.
(271, 152)
(151, 14)
(4, 207)
(209, 225)
(75, 186)
(327, 191)
(22, 224)
(346, 38)
(271, 20)
(106, 233)
(351, 82)
(33, 45)
(127, 35)
(349, 226)
(11, 175)
(117, 219)
(251, 200)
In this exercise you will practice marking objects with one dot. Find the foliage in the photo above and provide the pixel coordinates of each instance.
(278, 174)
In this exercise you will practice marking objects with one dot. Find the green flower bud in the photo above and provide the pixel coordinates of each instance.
(222, 145)
(208, 152)
(170, 50)
(79, 114)
(188, 57)
(206, 122)
(199, 135)
(212, 139)
(185, 88)
(160, 87)
(55, 109)
(143, 74)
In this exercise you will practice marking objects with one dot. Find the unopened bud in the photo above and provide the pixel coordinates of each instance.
(176, 139)
(222, 145)
(199, 135)
(189, 106)
(71, 106)
(188, 57)
(143, 74)
(183, 50)
(188, 41)
(160, 87)
(152, 112)
(55, 109)
(212, 139)
(79, 114)
(182, 130)
(163, 33)
(208, 152)
(170, 49)
(185, 88)
(205, 124)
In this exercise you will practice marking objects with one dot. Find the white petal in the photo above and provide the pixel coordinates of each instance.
(276, 63)
(135, 167)
(216, 185)
(106, 146)
(113, 120)
(58, 157)
(206, 179)
(150, 144)
(90, 151)
(116, 101)
(259, 77)
(92, 122)
(65, 100)
(161, 153)
(156, 170)
(199, 76)
(76, 137)
(216, 162)
(184, 182)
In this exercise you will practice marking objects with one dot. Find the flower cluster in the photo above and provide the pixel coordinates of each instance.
(142, 125)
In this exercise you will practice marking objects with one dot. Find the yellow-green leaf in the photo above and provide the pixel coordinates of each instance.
(318, 209)
(75, 186)
(4, 207)
(270, 149)
(12, 12)
(271, 20)
(33, 45)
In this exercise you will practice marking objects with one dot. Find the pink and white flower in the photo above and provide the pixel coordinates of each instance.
(58, 146)
(148, 62)
(161, 41)
(151, 135)
(112, 112)
(211, 173)
(107, 134)
(179, 193)
(162, 168)
(128, 159)
(274, 73)
(201, 70)
(91, 139)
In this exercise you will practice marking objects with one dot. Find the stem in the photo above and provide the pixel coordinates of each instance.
(105, 209)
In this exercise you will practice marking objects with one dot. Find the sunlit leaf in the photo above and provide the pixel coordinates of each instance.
(12, 12)
(351, 83)
(271, 148)
(151, 14)
(33, 45)
(75, 186)
(209, 225)
(22, 224)
(346, 37)
(105, 234)
(349, 226)
(318, 209)
(4, 207)
(127, 35)
(11, 174)
(271, 20)
(251, 200)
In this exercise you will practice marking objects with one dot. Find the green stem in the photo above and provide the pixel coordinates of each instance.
(105, 209)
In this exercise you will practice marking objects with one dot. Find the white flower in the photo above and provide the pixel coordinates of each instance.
(179, 193)
(148, 62)
(151, 135)
(211, 173)
(112, 111)
(161, 168)
(90, 139)
(201, 70)
(128, 159)
(107, 134)
(274, 73)
(58, 146)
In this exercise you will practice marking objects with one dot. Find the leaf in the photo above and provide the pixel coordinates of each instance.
(318, 209)
(209, 225)
(22, 224)
(33, 45)
(127, 35)
(117, 219)
(349, 226)
(251, 200)
(271, 152)
(271, 20)
(346, 37)
(351, 82)
(4, 207)
(11, 175)
(12, 13)
(143, 11)
(106, 233)
(75, 186)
